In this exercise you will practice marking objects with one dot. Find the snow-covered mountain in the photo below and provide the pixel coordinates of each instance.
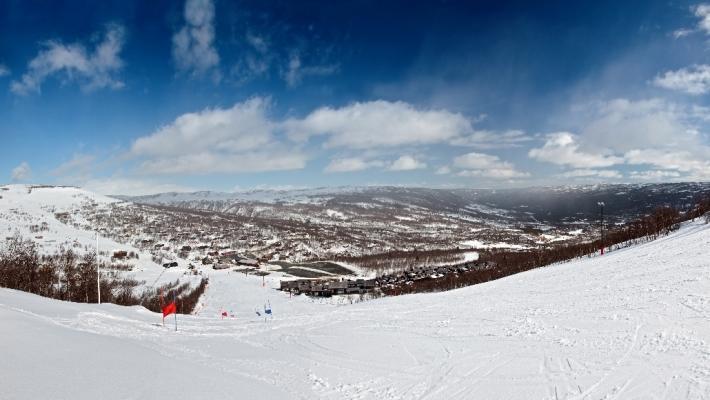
(630, 324)
(549, 204)
(343, 224)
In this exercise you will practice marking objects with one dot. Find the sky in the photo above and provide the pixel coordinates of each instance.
(135, 97)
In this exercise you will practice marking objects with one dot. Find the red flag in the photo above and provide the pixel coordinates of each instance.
(169, 309)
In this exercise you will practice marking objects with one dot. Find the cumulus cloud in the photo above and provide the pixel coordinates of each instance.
(692, 80)
(593, 173)
(237, 139)
(562, 148)
(486, 166)
(623, 125)
(379, 123)
(73, 63)
(650, 132)
(683, 161)
(351, 164)
(244, 126)
(4, 70)
(193, 45)
(21, 172)
(406, 163)
(702, 11)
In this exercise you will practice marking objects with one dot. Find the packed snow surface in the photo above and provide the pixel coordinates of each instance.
(631, 324)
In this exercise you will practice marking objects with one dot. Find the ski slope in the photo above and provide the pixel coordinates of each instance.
(24, 206)
(634, 323)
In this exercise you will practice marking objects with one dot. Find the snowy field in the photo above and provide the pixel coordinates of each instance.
(634, 323)
(22, 206)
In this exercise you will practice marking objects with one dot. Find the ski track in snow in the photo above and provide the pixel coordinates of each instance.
(634, 323)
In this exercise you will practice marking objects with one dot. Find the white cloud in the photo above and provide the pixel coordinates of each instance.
(623, 125)
(443, 170)
(295, 71)
(485, 139)
(562, 148)
(131, 187)
(351, 164)
(259, 43)
(653, 175)
(72, 62)
(4, 70)
(193, 45)
(593, 173)
(292, 61)
(237, 139)
(406, 163)
(22, 172)
(680, 33)
(651, 132)
(692, 80)
(702, 11)
(269, 187)
(241, 127)
(683, 161)
(486, 166)
(256, 61)
(379, 123)
(494, 173)
(210, 162)
(79, 166)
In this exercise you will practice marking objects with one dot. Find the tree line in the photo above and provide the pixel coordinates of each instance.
(662, 221)
(69, 276)
(398, 260)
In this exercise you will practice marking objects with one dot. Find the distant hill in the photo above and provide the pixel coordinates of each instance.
(546, 204)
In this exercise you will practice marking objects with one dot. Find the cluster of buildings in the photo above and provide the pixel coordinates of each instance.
(412, 274)
(328, 287)
(170, 234)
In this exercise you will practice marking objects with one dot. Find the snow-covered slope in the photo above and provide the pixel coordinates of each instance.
(35, 212)
(55, 217)
(630, 324)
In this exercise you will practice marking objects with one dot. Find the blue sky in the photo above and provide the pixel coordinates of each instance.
(136, 97)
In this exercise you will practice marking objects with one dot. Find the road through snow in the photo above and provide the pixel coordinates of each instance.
(632, 324)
